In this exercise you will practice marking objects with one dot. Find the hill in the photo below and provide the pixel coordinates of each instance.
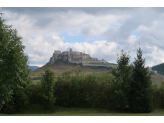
(159, 68)
(60, 67)
(33, 67)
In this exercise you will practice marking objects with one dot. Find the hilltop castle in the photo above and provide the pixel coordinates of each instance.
(151, 71)
(84, 59)
(75, 57)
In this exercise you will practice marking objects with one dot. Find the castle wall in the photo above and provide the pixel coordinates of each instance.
(94, 59)
(74, 57)
(99, 61)
(57, 52)
(77, 53)
(65, 53)
(78, 62)
(86, 64)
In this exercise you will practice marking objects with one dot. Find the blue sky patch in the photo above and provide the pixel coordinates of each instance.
(32, 37)
(79, 38)
(135, 32)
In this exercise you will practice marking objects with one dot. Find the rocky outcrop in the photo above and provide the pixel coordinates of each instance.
(75, 57)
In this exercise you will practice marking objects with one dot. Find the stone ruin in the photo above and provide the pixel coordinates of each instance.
(76, 57)
(151, 71)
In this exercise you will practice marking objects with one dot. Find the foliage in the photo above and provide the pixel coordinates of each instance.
(121, 82)
(18, 103)
(158, 95)
(13, 62)
(79, 90)
(159, 68)
(93, 90)
(33, 92)
(47, 82)
(36, 78)
(140, 87)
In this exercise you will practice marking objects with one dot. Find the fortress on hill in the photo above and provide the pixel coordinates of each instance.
(76, 57)
(84, 59)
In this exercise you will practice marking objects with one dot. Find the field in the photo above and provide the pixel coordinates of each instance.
(37, 110)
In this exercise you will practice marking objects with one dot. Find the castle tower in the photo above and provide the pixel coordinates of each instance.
(70, 50)
(69, 54)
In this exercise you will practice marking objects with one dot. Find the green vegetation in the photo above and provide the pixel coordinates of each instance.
(76, 90)
(140, 87)
(13, 66)
(39, 110)
(88, 59)
(121, 83)
(47, 82)
(99, 67)
(159, 68)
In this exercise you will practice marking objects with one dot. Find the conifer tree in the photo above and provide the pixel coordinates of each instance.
(121, 82)
(140, 87)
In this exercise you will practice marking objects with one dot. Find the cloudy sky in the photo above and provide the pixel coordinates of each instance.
(101, 32)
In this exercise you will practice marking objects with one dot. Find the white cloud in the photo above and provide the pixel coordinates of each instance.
(45, 27)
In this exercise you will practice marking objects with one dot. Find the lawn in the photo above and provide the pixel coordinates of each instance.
(37, 110)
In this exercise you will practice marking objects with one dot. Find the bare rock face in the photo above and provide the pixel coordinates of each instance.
(74, 57)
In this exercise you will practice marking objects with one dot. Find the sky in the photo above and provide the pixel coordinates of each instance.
(101, 32)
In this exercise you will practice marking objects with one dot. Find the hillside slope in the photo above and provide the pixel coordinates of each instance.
(159, 68)
(60, 67)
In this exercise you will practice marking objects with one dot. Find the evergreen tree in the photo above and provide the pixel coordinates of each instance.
(13, 63)
(121, 82)
(140, 87)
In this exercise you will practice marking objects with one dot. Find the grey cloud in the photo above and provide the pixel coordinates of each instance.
(89, 10)
(58, 20)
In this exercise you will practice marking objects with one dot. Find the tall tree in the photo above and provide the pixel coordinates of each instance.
(140, 87)
(13, 62)
(121, 81)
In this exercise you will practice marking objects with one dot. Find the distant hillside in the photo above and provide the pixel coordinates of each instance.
(159, 68)
(33, 67)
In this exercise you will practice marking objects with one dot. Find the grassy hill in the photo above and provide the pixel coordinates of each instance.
(59, 67)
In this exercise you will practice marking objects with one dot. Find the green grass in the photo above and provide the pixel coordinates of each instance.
(37, 110)
(34, 81)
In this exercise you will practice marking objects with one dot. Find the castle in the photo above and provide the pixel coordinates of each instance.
(84, 59)
(151, 71)
(75, 57)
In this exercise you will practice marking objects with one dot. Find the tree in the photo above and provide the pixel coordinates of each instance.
(140, 87)
(47, 82)
(121, 82)
(13, 63)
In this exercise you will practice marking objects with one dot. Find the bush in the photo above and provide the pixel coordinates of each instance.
(47, 82)
(77, 90)
(33, 92)
(18, 102)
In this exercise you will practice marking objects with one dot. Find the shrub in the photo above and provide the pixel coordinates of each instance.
(33, 92)
(47, 83)
(18, 102)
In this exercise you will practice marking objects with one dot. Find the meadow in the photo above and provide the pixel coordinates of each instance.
(38, 110)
